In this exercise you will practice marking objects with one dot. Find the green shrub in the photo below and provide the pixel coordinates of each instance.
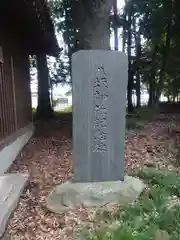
(149, 218)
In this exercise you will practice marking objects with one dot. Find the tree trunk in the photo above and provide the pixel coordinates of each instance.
(44, 109)
(116, 44)
(151, 93)
(138, 58)
(130, 73)
(166, 48)
(51, 94)
(92, 20)
(124, 28)
(138, 89)
(152, 82)
(168, 97)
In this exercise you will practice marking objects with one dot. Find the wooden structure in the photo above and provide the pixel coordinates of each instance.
(26, 28)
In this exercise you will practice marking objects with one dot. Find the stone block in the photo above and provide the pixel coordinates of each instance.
(70, 195)
(11, 187)
(99, 80)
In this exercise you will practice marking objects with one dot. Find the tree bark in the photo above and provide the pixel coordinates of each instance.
(124, 28)
(130, 73)
(92, 20)
(138, 58)
(151, 93)
(44, 109)
(152, 82)
(138, 89)
(169, 9)
(116, 43)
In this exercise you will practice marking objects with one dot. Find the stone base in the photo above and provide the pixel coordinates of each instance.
(5, 237)
(12, 145)
(98, 194)
(11, 187)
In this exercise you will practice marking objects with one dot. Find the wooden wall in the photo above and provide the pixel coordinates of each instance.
(15, 96)
(22, 91)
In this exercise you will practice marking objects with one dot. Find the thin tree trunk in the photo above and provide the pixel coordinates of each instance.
(52, 100)
(124, 28)
(151, 93)
(138, 58)
(116, 44)
(168, 97)
(166, 49)
(44, 109)
(152, 82)
(130, 73)
(138, 88)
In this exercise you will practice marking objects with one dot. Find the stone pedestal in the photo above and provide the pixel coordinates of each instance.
(11, 187)
(70, 195)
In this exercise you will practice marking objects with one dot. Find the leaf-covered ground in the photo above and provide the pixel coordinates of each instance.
(48, 158)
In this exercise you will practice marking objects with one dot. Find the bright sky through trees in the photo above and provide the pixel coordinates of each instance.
(63, 89)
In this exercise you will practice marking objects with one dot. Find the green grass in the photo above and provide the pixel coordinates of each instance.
(33, 110)
(66, 110)
(148, 218)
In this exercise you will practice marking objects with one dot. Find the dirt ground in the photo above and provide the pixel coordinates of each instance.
(48, 158)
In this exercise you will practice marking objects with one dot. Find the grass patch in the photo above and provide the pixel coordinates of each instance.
(67, 109)
(150, 218)
(33, 110)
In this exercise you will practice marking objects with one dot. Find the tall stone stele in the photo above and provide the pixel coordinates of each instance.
(99, 105)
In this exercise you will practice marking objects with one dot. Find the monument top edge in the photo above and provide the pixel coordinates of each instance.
(99, 51)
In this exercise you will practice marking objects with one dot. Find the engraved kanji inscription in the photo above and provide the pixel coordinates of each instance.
(100, 96)
(102, 136)
(100, 108)
(102, 76)
(100, 124)
(100, 147)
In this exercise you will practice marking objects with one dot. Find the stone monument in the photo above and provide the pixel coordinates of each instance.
(99, 105)
(99, 81)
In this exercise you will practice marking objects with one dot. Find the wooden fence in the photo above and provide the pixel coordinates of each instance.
(15, 96)
(7, 99)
